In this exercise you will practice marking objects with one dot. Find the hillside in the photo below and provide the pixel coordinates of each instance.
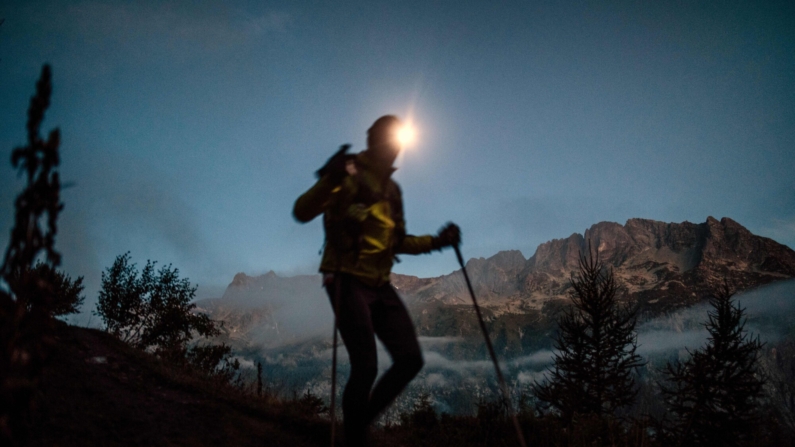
(96, 391)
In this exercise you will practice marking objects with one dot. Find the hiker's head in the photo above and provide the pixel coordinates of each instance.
(382, 139)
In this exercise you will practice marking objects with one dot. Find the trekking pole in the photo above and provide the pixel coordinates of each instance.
(333, 411)
(503, 386)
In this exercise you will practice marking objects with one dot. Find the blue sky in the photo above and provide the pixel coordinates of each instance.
(189, 128)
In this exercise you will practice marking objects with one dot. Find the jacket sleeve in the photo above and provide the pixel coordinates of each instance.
(408, 243)
(416, 245)
(313, 202)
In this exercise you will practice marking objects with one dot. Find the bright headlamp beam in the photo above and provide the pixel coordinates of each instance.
(406, 135)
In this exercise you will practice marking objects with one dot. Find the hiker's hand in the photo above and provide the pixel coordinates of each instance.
(336, 166)
(448, 236)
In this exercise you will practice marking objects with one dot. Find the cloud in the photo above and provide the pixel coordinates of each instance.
(212, 26)
(773, 299)
(765, 307)
(437, 342)
(543, 357)
(122, 204)
(659, 341)
(530, 377)
(130, 205)
(435, 360)
(435, 380)
(138, 31)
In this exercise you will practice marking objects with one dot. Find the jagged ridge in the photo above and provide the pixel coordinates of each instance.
(658, 262)
(661, 266)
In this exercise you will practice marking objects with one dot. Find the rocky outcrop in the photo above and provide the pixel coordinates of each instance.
(661, 265)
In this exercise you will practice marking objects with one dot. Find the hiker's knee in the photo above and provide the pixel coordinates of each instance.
(365, 369)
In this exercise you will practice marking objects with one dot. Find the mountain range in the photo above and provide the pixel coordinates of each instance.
(661, 267)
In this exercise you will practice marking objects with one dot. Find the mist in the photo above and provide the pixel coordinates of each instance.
(299, 308)
(769, 310)
(293, 342)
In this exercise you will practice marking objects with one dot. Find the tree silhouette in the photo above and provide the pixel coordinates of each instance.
(152, 309)
(596, 343)
(65, 295)
(714, 395)
(25, 320)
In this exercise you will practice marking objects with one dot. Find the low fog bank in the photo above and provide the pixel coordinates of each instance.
(300, 311)
(458, 371)
(274, 311)
(770, 312)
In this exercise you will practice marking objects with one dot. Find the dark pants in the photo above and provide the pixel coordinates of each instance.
(366, 311)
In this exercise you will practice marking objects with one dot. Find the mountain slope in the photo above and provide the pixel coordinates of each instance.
(97, 391)
(662, 267)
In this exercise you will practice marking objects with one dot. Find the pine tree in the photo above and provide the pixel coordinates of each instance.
(596, 343)
(25, 299)
(714, 395)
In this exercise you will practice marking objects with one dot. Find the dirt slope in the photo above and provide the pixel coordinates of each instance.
(97, 391)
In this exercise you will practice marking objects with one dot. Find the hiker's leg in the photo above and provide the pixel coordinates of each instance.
(356, 329)
(394, 327)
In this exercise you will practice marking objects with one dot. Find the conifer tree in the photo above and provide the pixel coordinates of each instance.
(596, 343)
(713, 397)
(25, 299)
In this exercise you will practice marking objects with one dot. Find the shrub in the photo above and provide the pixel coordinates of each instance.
(150, 309)
(214, 361)
(422, 415)
(64, 294)
(310, 404)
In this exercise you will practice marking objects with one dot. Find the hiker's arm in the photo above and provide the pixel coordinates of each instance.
(448, 236)
(407, 244)
(416, 245)
(313, 202)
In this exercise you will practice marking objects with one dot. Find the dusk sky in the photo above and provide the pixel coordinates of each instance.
(190, 128)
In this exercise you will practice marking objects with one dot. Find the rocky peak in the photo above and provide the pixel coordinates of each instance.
(408, 283)
(611, 241)
(655, 261)
(557, 255)
(661, 266)
(241, 280)
(730, 246)
(497, 274)
(506, 261)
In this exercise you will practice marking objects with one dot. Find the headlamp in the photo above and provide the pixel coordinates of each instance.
(405, 135)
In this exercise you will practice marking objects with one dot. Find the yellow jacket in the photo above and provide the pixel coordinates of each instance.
(363, 220)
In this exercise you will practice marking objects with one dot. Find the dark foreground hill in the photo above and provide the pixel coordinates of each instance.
(97, 391)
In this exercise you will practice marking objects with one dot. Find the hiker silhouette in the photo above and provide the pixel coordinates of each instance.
(363, 219)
